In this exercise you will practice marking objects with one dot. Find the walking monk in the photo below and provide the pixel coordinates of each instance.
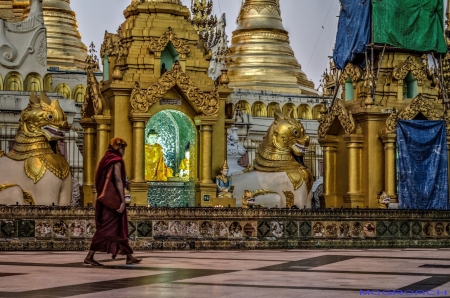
(111, 222)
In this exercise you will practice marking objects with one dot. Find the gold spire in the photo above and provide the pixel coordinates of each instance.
(65, 49)
(6, 7)
(261, 57)
(160, 1)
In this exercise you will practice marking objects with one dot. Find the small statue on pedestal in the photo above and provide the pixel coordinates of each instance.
(224, 187)
(184, 165)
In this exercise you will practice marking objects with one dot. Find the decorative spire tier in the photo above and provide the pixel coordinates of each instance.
(65, 49)
(261, 56)
(6, 7)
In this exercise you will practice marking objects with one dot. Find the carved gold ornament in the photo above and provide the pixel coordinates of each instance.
(345, 118)
(157, 45)
(41, 123)
(94, 97)
(419, 72)
(259, 8)
(142, 100)
(418, 105)
(248, 199)
(353, 71)
(289, 198)
(285, 138)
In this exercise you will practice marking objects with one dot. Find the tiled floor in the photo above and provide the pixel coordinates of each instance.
(262, 274)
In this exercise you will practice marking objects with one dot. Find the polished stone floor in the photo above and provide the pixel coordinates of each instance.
(262, 274)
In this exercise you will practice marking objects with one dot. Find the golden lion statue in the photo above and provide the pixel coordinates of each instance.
(35, 171)
(279, 166)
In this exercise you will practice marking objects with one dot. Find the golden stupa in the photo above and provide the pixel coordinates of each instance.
(261, 57)
(65, 49)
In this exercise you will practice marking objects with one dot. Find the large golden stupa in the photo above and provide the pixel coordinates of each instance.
(261, 56)
(65, 49)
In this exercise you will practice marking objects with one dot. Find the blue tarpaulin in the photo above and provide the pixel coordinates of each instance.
(353, 33)
(422, 165)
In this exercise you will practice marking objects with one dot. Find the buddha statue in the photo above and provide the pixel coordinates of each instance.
(224, 187)
(155, 166)
(184, 165)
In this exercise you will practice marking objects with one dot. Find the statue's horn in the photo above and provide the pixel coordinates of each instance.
(33, 98)
(44, 98)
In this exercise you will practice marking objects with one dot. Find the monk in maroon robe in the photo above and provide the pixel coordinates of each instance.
(111, 235)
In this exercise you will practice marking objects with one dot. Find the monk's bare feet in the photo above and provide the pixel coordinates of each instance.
(92, 262)
(132, 260)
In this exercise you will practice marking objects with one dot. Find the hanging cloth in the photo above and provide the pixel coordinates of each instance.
(422, 164)
(416, 25)
(353, 33)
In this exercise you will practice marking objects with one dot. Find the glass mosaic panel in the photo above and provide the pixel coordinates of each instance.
(175, 130)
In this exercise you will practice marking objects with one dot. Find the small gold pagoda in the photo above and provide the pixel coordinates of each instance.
(261, 57)
(358, 132)
(156, 63)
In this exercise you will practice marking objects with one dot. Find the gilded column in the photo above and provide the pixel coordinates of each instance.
(103, 129)
(206, 188)
(139, 187)
(329, 145)
(390, 171)
(89, 161)
(354, 196)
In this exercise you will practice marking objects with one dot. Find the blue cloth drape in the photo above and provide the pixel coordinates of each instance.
(353, 33)
(422, 165)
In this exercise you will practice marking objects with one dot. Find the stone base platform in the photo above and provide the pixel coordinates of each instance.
(68, 228)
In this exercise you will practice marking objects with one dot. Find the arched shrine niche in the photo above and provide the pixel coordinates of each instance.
(168, 57)
(171, 159)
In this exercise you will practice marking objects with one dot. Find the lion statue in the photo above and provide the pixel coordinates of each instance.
(279, 167)
(34, 171)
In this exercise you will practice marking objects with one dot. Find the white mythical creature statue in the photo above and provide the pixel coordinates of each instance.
(279, 168)
(34, 171)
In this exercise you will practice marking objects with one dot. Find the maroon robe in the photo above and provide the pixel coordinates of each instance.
(111, 235)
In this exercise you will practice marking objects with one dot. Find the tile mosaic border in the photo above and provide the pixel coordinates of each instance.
(69, 228)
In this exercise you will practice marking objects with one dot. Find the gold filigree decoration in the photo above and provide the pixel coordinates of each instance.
(419, 72)
(353, 71)
(110, 45)
(248, 199)
(259, 8)
(142, 100)
(157, 45)
(418, 105)
(289, 198)
(345, 118)
(446, 118)
(94, 98)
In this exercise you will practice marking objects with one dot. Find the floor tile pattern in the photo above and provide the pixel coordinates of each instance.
(228, 274)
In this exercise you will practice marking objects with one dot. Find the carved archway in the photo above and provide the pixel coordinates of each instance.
(157, 45)
(419, 71)
(34, 82)
(344, 116)
(206, 104)
(418, 105)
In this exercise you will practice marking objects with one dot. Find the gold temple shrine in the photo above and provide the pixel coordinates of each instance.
(155, 65)
(358, 133)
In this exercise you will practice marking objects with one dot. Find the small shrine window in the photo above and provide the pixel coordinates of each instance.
(259, 109)
(168, 57)
(410, 87)
(349, 94)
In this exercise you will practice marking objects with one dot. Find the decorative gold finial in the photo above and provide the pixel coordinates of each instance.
(224, 166)
(205, 23)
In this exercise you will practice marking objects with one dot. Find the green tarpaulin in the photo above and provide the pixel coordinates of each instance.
(409, 24)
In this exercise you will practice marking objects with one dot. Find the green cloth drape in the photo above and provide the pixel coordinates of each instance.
(409, 24)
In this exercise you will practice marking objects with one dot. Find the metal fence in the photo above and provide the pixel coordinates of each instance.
(71, 147)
